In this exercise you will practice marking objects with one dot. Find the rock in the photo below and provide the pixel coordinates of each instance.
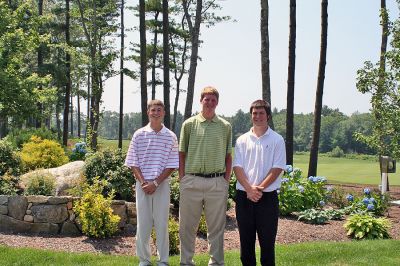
(3, 200)
(130, 229)
(67, 176)
(28, 218)
(36, 199)
(120, 210)
(49, 213)
(17, 206)
(3, 209)
(9, 224)
(58, 200)
(69, 228)
(29, 212)
(131, 209)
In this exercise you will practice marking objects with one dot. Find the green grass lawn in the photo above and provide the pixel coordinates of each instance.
(343, 170)
(378, 252)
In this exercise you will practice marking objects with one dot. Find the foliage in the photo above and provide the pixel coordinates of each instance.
(174, 186)
(313, 216)
(78, 152)
(337, 152)
(94, 211)
(335, 214)
(109, 165)
(9, 185)
(371, 201)
(365, 226)
(202, 229)
(338, 197)
(173, 233)
(39, 153)
(40, 183)
(10, 162)
(18, 137)
(299, 194)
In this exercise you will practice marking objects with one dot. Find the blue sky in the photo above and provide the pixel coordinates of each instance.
(231, 56)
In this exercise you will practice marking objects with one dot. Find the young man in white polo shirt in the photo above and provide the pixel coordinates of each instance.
(259, 160)
(153, 156)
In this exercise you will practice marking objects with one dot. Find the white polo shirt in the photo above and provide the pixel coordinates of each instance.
(257, 155)
(153, 151)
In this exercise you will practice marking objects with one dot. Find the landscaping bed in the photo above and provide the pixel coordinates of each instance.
(290, 231)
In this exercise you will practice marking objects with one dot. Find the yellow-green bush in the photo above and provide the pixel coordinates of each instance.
(202, 230)
(40, 183)
(42, 153)
(94, 211)
(173, 233)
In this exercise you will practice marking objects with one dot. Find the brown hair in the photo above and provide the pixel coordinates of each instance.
(155, 102)
(261, 104)
(209, 90)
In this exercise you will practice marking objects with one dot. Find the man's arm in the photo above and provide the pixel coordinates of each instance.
(228, 166)
(253, 193)
(151, 187)
(272, 175)
(182, 158)
(138, 174)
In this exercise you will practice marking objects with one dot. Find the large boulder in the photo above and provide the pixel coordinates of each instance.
(67, 176)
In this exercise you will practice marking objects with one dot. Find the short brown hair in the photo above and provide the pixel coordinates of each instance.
(261, 104)
(155, 102)
(209, 90)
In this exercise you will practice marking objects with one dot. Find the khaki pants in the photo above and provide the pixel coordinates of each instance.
(153, 210)
(212, 194)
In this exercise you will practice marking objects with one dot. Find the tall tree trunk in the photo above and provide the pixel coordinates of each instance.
(167, 118)
(58, 120)
(154, 57)
(194, 31)
(121, 78)
(312, 167)
(88, 103)
(265, 72)
(78, 106)
(68, 75)
(143, 63)
(72, 116)
(3, 126)
(290, 84)
(40, 68)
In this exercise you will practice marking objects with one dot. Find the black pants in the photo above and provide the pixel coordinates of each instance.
(261, 218)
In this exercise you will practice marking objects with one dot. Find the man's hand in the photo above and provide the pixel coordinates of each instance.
(149, 187)
(254, 194)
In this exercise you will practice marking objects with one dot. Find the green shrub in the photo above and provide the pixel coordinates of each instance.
(18, 137)
(338, 197)
(298, 193)
(40, 183)
(94, 211)
(39, 153)
(313, 216)
(9, 185)
(10, 162)
(109, 165)
(232, 188)
(371, 201)
(174, 185)
(334, 214)
(202, 229)
(365, 226)
(336, 152)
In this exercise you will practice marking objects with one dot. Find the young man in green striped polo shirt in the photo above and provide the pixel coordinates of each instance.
(205, 164)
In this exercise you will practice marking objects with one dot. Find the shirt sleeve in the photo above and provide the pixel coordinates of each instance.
(237, 157)
(173, 158)
(184, 137)
(132, 158)
(280, 154)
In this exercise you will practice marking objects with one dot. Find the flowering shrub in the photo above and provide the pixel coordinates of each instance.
(299, 194)
(78, 152)
(371, 201)
(365, 226)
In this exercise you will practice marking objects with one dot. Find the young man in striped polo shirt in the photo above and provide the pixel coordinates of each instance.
(205, 164)
(153, 156)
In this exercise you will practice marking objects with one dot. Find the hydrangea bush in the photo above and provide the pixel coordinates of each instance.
(78, 152)
(298, 193)
(371, 201)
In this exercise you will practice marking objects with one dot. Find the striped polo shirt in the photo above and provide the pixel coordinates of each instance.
(206, 144)
(153, 151)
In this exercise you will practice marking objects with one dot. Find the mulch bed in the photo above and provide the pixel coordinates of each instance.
(290, 231)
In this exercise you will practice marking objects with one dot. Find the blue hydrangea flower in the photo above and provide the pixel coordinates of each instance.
(322, 203)
(365, 201)
(370, 207)
(289, 168)
(285, 180)
(311, 178)
(301, 188)
(322, 179)
(367, 191)
(372, 200)
(349, 197)
(329, 188)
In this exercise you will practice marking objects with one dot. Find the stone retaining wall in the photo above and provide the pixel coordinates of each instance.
(53, 215)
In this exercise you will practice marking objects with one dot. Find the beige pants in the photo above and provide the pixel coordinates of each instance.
(153, 210)
(197, 193)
